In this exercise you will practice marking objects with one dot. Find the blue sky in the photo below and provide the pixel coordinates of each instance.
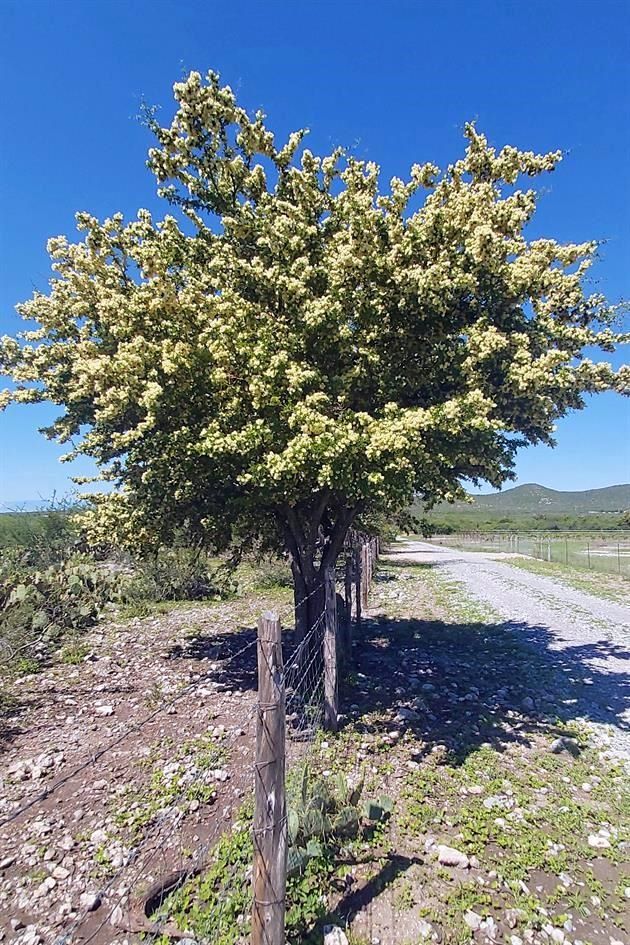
(396, 80)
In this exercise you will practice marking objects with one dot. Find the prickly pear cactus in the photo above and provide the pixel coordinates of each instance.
(322, 811)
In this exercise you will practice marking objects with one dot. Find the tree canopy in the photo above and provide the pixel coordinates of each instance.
(296, 347)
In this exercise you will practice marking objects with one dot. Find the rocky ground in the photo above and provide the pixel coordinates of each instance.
(119, 764)
(510, 823)
(588, 637)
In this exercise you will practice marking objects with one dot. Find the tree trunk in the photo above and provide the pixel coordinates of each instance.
(311, 552)
(308, 597)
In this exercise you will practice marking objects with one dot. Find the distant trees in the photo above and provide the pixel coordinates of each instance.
(298, 347)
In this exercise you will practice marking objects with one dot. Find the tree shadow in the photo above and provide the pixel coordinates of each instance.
(356, 900)
(11, 708)
(460, 685)
(232, 656)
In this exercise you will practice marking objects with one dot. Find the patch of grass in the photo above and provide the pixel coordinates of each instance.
(26, 666)
(74, 653)
(188, 779)
(606, 586)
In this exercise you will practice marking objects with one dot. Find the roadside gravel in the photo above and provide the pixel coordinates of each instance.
(588, 636)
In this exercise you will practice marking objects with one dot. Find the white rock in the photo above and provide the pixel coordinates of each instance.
(598, 842)
(424, 928)
(473, 920)
(89, 901)
(60, 872)
(557, 936)
(104, 710)
(515, 940)
(449, 856)
(333, 935)
(561, 744)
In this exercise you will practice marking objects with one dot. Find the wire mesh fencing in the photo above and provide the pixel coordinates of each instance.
(158, 865)
(298, 698)
(606, 553)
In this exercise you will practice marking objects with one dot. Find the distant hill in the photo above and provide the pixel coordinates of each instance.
(534, 499)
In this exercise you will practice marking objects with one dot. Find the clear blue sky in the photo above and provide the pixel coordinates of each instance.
(397, 80)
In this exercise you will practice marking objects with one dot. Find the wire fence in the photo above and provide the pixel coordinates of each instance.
(301, 700)
(604, 553)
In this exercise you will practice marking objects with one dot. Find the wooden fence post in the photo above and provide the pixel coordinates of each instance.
(365, 575)
(348, 598)
(330, 653)
(270, 815)
(358, 582)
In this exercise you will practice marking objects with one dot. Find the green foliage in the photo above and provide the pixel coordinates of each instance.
(176, 574)
(38, 605)
(46, 535)
(272, 573)
(444, 521)
(74, 653)
(216, 906)
(324, 811)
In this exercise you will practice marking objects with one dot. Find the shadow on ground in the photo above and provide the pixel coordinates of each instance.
(459, 685)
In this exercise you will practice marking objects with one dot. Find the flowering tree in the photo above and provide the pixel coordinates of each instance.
(297, 349)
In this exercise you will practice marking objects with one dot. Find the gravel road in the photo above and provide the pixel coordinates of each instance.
(587, 637)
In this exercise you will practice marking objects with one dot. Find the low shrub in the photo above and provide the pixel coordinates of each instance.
(176, 574)
(37, 605)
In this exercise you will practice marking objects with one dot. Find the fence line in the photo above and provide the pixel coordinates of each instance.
(605, 553)
(297, 698)
(328, 646)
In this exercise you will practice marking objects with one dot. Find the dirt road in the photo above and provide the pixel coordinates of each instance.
(587, 635)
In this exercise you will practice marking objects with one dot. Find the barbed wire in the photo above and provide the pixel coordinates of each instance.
(304, 698)
(119, 739)
(174, 813)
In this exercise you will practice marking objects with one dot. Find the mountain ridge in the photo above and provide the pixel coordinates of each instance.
(532, 497)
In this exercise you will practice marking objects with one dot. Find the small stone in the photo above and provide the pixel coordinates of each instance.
(407, 715)
(7, 862)
(425, 928)
(561, 744)
(104, 710)
(557, 936)
(333, 935)
(60, 872)
(587, 787)
(449, 856)
(528, 704)
(598, 842)
(89, 901)
(512, 917)
(473, 920)
(515, 940)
